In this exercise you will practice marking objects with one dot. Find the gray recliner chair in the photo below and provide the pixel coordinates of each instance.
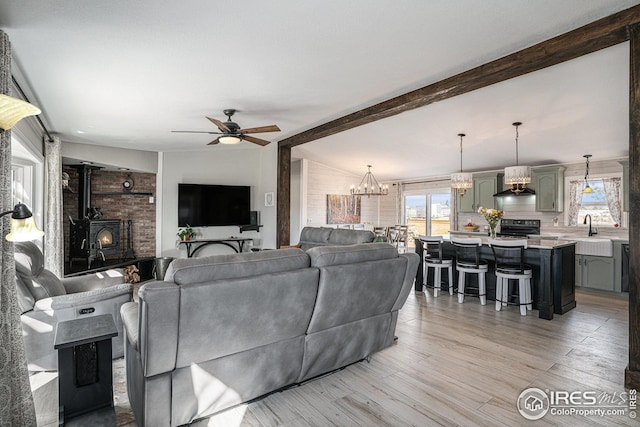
(45, 300)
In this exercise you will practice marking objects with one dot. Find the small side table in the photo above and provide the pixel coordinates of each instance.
(85, 381)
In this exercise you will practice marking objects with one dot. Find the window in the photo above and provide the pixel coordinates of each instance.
(603, 204)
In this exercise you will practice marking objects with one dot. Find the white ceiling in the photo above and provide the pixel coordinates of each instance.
(125, 73)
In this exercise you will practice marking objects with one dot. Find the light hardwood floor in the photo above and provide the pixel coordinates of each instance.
(453, 365)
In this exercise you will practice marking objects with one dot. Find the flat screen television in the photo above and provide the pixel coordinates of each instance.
(201, 205)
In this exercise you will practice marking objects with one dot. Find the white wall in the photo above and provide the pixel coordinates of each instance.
(138, 160)
(251, 166)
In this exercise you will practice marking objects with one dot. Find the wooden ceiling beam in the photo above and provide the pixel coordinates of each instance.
(600, 34)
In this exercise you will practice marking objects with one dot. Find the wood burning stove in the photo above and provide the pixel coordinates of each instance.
(95, 239)
(90, 236)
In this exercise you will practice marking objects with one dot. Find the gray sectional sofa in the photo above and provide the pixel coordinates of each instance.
(310, 237)
(226, 329)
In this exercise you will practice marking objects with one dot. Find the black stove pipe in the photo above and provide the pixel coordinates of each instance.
(84, 189)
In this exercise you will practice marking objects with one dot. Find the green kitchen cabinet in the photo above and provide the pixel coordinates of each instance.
(594, 272)
(549, 186)
(484, 187)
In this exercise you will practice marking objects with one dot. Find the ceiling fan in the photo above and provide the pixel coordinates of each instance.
(231, 133)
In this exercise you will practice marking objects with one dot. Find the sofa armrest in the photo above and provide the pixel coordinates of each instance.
(130, 320)
(83, 298)
(99, 280)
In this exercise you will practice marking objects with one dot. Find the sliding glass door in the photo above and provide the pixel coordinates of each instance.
(427, 213)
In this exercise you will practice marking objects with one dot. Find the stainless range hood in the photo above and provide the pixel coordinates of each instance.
(507, 193)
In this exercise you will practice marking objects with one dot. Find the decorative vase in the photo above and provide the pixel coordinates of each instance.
(492, 231)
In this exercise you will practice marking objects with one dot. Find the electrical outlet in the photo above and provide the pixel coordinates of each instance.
(151, 199)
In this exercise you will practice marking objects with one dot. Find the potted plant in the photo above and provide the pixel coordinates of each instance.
(187, 233)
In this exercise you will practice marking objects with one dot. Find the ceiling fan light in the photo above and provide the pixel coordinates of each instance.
(229, 139)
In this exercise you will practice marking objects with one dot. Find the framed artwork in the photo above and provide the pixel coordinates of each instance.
(269, 199)
(343, 209)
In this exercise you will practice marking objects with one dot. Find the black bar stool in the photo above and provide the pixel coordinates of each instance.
(509, 258)
(433, 258)
(468, 261)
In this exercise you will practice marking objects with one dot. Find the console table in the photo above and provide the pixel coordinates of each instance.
(193, 246)
(85, 381)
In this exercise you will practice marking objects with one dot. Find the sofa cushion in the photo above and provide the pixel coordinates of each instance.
(350, 237)
(243, 313)
(322, 256)
(218, 267)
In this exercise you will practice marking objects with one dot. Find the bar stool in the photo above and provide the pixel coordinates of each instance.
(468, 261)
(509, 259)
(433, 258)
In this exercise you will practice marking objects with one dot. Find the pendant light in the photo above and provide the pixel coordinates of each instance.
(517, 177)
(587, 188)
(461, 181)
(369, 186)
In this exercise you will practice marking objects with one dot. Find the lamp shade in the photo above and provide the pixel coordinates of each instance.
(515, 175)
(230, 139)
(23, 225)
(23, 230)
(12, 110)
(461, 181)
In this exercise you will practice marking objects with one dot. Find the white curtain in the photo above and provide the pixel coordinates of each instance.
(53, 238)
(16, 401)
(575, 201)
(612, 191)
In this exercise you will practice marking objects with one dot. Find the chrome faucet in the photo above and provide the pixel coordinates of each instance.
(591, 232)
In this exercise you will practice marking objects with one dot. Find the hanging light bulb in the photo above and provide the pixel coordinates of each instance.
(587, 188)
(461, 181)
(517, 176)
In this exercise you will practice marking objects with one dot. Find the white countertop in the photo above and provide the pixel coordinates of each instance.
(538, 242)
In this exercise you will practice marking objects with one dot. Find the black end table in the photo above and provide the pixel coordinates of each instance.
(85, 382)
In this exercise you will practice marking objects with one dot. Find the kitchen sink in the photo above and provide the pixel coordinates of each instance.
(597, 246)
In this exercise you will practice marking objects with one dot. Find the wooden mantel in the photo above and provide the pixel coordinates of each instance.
(603, 33)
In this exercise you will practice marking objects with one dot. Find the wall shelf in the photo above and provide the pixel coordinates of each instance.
(122, 193)
(249, 228)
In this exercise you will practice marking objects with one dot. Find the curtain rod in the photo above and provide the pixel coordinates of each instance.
(24, 96)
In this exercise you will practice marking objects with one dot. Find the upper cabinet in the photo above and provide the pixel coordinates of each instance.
(485, 185)
(625, 184)
(549, 185)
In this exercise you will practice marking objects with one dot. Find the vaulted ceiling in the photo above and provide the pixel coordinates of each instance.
(125, 74)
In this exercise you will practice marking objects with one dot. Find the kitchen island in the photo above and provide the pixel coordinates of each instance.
(552, 261)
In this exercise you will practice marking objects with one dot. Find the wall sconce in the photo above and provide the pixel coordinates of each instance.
(12, 110)
(23, 225)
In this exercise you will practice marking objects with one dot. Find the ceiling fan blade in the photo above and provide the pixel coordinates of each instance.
(219, 124)
(214, 142)
(260, 129)
(197, 131)
(255, 140)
